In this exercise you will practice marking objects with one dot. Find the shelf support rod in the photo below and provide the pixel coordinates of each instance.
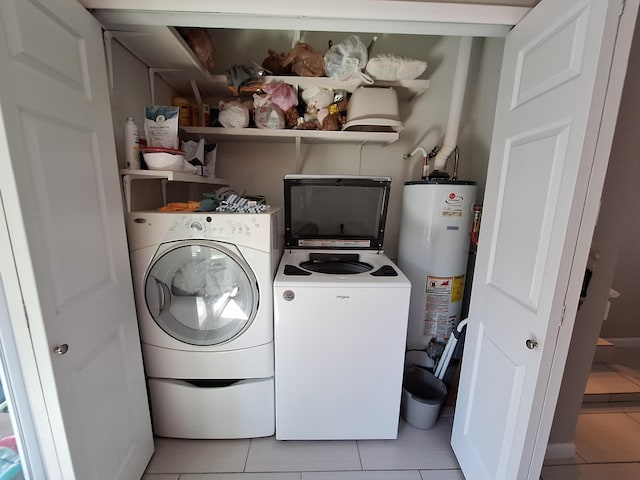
(295, 39)
(298, 154)
(196, 93)
(163, 189)
(126, 183)
(152, 84)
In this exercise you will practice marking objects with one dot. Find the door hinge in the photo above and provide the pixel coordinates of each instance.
(564, 309)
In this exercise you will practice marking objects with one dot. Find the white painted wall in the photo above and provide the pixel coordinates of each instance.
(131, 93)
(624, 315)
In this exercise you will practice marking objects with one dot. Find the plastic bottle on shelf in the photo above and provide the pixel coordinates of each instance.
(131, 144)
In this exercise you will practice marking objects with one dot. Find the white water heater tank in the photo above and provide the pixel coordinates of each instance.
(433, 251)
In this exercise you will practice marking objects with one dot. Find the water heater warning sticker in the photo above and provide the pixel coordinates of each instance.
(436, 320)
(439, 285)
(458, 289)
(441, 292)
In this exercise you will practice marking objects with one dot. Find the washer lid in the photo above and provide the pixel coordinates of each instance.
(345, 212)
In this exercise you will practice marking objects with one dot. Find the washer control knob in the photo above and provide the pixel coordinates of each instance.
(196, 226)
(531, 344)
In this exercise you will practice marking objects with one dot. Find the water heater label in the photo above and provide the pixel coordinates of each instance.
(440, 314)
(453, 205)
(457, 291)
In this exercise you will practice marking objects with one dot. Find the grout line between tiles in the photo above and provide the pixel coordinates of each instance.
(637, 420)
(246, 459)
(631, 378)
(359, 455)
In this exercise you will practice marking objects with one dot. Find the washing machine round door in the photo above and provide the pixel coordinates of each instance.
(201, 294)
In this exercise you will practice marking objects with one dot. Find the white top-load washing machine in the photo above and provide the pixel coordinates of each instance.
(341, 309)
(203, 286)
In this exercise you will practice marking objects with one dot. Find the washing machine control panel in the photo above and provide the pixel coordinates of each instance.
(219, 226)
(205, 226)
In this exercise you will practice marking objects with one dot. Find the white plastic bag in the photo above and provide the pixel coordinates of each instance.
(347, 60)
(269, 116)
(193, 150)
(392, 67)
(233, 114)
(200, 156)
(316, 97)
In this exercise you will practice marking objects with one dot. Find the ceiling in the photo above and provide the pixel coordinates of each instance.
(514, 3)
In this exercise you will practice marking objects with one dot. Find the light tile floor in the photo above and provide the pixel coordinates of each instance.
(415, 455)
(607, 436)
(607, 443)
(618, 381)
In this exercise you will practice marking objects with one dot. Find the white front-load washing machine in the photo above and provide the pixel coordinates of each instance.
(203, 287)
(341, 310)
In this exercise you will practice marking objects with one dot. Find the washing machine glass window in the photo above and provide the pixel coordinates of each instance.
(201, 294)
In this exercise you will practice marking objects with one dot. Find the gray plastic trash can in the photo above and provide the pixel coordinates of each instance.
(423, 395)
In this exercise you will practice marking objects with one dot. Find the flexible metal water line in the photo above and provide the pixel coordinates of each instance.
(425, 160)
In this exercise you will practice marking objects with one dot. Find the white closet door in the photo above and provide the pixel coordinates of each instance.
(552, 92)
(60, 189)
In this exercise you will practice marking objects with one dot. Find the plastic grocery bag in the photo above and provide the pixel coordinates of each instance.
(304, 61)
(281, 94)
(233, 114)
(347, 60)
(316, 97)
(202, 45)
(269, 115)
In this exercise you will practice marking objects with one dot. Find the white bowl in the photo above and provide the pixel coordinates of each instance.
(164, 161)
(373, 109)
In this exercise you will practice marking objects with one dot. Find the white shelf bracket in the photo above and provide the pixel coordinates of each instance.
(295, 39)
(126, 184)
(196, 94)
(163, 187)
(108, 51)
(152, 84)
(416, 94)
(152, 80)
(298, 155)
(108, 36)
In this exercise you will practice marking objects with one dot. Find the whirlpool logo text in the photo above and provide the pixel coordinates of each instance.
(342, 297)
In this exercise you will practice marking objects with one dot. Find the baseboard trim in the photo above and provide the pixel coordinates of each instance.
(625, 342)
(556, 451)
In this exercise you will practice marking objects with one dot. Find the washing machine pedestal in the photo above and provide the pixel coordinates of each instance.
(242, 409)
